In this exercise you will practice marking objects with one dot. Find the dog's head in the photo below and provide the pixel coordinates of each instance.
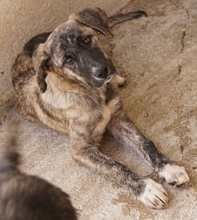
(74, 51)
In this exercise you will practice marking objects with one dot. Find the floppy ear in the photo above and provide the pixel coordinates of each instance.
(40, 62)
(95, 18)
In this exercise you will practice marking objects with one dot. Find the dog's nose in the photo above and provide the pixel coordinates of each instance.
(100, 72)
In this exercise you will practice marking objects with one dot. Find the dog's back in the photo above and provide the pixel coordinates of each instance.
(28, 197)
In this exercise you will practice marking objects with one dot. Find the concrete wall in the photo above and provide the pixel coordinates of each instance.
(21, 20)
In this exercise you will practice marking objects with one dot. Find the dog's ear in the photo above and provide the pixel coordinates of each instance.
(95, 18)
(40, 62)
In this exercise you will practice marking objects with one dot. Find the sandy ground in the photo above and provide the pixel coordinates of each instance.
(159, 55)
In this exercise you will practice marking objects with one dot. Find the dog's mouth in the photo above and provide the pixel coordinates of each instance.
(99, 82)
(102, 74)
(108, 79)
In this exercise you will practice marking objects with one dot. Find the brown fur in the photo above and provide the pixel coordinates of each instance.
(66, 80)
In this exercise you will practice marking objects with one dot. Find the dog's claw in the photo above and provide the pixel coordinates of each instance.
(174, 175)
(181, 185)
(172, 184)
(154, 195)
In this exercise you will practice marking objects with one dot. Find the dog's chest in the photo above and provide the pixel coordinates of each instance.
(85, 100)
(84, 108)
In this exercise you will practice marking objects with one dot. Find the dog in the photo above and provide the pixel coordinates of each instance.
(26, 196)
(67, 81)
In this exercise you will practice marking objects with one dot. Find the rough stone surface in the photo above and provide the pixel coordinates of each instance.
(159, 55)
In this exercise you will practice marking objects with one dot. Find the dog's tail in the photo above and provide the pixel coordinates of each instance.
(9, 156)
(116, 19)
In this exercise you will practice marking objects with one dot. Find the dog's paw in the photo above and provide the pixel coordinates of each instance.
(154, 195)
(174, 175)
(120, 80)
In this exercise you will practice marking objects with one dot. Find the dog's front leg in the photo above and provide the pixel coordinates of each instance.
(86, 153)
(127, 135)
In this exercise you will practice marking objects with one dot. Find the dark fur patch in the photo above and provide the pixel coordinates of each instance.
(26, 196)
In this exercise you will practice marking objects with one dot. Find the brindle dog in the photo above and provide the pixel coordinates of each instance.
(25, 196)
(66, 80)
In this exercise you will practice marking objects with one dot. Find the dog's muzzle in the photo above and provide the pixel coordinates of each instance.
(102, 74)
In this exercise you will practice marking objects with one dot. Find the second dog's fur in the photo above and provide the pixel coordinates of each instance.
(66, 80)
(28, 197)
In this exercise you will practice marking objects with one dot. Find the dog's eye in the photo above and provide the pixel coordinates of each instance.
(68, 60)
(87, 40)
